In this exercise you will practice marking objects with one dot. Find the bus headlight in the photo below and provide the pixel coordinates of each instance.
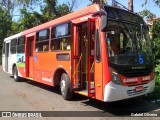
(115, 77)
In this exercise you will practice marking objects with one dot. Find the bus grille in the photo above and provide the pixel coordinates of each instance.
(133, 73)
(134, 92)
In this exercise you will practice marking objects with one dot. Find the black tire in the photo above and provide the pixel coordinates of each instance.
(15, 74)
(65, 86)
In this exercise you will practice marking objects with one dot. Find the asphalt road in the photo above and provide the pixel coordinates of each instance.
(32, 96)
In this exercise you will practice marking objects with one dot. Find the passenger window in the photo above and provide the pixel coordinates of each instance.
(42, 41)
(13, 47)
(21, 45)
(61, 37)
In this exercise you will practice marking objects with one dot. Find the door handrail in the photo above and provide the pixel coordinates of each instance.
(77, 65)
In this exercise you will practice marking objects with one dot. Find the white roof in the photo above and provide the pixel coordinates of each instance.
(12, 37)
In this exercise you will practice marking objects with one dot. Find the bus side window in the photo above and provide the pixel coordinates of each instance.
(13, 46)
(45, 48)
(42, 41)
(21, 44)
(61, 37)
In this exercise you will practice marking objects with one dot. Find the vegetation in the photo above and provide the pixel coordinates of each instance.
(5, 25)
(146, 14)
(49, 10)
(12, 5)
(155, 96)
(156, 48)
(157, 2)
(155, 39)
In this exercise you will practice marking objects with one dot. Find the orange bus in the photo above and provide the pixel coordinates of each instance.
(101, 51)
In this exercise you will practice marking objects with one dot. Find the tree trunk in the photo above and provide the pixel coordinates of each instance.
(99, 1)
(130, 5)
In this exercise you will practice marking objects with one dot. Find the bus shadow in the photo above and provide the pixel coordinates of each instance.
(123, 108)
(56, 89)
(40, 85)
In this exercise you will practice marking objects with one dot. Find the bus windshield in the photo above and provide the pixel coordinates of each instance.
(128, 44)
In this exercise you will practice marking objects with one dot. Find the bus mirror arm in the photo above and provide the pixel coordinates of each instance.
(103, 21)
(101, 12)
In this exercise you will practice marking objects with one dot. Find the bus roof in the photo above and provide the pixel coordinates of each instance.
(85, 11)
(13, 37)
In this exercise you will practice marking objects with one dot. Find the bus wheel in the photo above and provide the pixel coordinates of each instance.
(15, 74)
(66, 87)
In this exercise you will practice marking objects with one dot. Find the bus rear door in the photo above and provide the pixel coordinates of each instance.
(29, 56)
(6, 56)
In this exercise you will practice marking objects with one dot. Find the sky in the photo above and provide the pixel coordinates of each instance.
(137, 5)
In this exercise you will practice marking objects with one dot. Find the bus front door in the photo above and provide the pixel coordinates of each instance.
(91, 52)
(83, 58)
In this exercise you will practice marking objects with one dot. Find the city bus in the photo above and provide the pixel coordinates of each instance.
(102, 52)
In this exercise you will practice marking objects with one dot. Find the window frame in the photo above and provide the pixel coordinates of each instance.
(13, 46)
(53, 36)
(43, 40)
(21, 44)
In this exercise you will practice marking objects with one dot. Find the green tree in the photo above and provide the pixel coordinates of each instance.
(28, 20)
(5, 25)
(11, 5)
(156, 49)
(146, 14)
(156, 39)
(157, 2)
(52, 10)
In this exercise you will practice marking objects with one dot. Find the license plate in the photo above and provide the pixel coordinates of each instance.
(139, 88)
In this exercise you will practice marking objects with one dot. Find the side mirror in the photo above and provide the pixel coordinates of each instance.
(103, 21)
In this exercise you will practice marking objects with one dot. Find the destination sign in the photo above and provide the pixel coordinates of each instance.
(118, 13)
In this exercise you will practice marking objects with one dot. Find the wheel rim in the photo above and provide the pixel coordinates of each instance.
(63, 88)
(15, 74)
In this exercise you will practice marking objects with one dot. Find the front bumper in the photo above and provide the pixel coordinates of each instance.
(114, 92)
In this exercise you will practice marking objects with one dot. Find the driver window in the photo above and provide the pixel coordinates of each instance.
(113, 44)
